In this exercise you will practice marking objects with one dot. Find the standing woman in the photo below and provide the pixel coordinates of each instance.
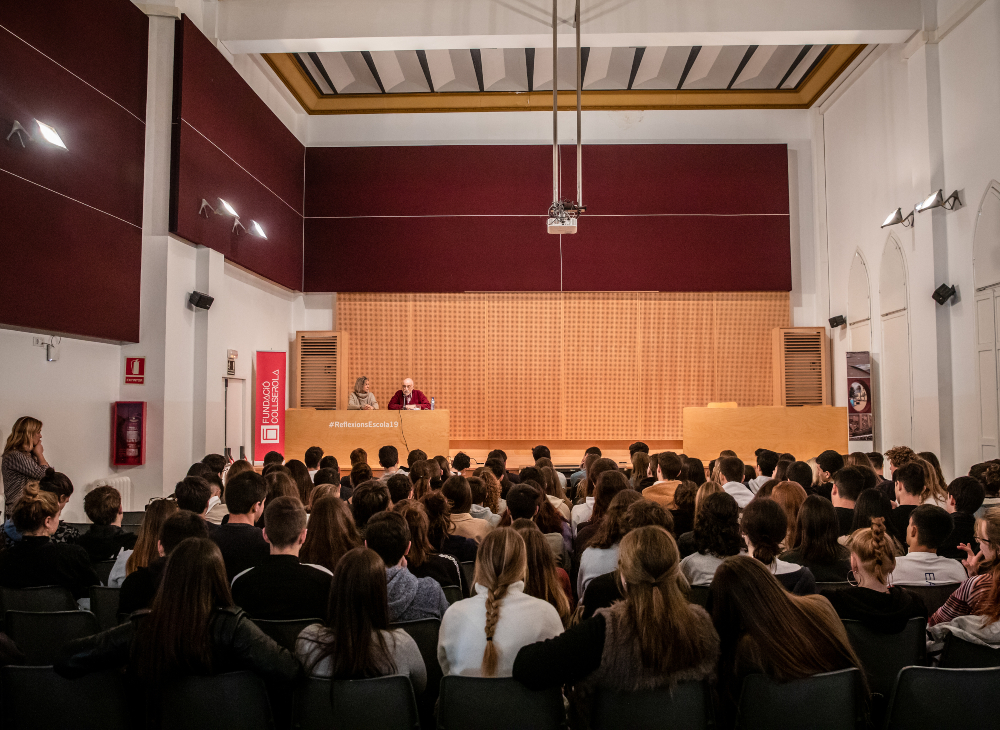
(23, 460)
(362, 398)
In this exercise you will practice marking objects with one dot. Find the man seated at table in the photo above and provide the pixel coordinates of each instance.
(409, 399)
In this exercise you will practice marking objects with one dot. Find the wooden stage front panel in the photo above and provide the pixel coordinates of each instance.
(805, 431)
(340, 432)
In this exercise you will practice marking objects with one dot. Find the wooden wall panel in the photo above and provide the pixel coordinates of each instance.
(566, 366)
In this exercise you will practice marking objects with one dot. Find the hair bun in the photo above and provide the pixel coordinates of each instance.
(49, 473)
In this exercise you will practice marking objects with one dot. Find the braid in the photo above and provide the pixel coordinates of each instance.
(491, 656)
(502, 561)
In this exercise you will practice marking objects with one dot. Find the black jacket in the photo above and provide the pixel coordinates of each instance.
(281, 588)
(103, 542)
(835, 572)
(140, 586)
(441, 569)
(38, 561)
(886, 613)
(242, 546)
(963, 532)
(845, 518)
(899, 522)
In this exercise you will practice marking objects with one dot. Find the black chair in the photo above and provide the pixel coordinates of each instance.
(82, 527)
(36, 698)
(231, 701)
(830, 701)
(884, 655)
(930, 697)
(933, 596)
(452, 593)
(684, 707)
(43, 598)
(961, 654)
(425, 633)
(132, 518)
(834, 586)
(386, 703)
(477, 703)
(699, 595)
(41, 636)
(103, 570)
(104, 605)
(286, 632)
(468, 572)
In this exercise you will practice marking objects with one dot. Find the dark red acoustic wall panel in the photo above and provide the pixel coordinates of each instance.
(228, 144)
(660, 217)
(72, 218)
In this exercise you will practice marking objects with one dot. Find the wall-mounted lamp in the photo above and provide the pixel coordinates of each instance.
(205, 206)
(838, 321)
(225, 208)
(943, 293)
(897, 217)
(50, 135)
(21, 133)
(937, 200)
(256, 230)
(237, 226)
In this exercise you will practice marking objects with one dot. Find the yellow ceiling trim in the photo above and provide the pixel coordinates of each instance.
(819, 79)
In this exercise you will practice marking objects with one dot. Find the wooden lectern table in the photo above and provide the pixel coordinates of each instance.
(805, 431)
(340, 432)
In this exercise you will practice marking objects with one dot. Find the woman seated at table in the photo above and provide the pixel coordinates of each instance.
(362, 398)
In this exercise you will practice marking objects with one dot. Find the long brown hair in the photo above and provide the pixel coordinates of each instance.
(656, 604)
(609, 485)
(542, 580)
(145, 551)
(238, 467)
(439, 525)
(493, 489)
(176, 637)
(934, 486)
(594, 473)
(22, 434)
(331, 534)
(613, 526)
(790, 495)
(640, 465)
(358, 615)
(420, 475)
(785, 636)
(818, 529)
(764, 524)
(990, 524)
(303, 480)
(501, 561)
(416, 517)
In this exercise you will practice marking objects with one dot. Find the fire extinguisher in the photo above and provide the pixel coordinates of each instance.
(131, 438)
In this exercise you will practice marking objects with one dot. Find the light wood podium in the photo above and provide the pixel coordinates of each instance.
(340, 432)
(805, 431)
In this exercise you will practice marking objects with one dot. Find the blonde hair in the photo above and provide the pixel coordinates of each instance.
(145, 551)
(502, 561)
(34, 507)
(22, 434)
(874, 549)
(493, 489)
(933, 488)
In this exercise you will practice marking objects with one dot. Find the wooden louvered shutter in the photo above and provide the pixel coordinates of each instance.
(320, 378)
(801, 373)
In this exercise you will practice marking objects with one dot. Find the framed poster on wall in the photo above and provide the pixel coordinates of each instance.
(860, 416)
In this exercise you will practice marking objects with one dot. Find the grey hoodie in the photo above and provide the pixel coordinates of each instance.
(412, 598)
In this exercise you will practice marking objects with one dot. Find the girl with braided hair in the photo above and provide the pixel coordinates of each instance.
(480, 636)
(871, 599)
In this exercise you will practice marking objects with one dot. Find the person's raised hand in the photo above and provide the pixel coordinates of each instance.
(972, 561)
(39, 453)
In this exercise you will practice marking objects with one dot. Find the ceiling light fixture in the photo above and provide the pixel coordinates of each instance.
(20, 131)
(897, 217)
(50, 135)
(564, 214)
(937, 200)
(256, 230)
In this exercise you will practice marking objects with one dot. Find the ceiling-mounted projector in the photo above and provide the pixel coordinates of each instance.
(563, 216)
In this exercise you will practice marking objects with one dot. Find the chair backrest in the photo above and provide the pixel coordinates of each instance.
(132, 518)
(103, 570)
(834, 586)
(933, 596)
(684, 707)
(468, 571)
(425, 633)
(958, 654)
(82, 527)
(42, 598)
(452, 593)
(699, 595)
(36, 698)
(883, 655)
(41, 636)
(829, 701)
(286, 632)
(476, 703)
(937, 698)
(231, 701)
(386, 703)
(104, 605)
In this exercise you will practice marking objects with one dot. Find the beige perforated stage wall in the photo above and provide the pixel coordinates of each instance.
(566, 365)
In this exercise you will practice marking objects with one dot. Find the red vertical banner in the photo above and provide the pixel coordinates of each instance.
(269, 434)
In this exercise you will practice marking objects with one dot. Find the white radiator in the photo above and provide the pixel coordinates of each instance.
(122, 484)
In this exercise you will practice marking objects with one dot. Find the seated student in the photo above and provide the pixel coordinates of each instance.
(332, 533)
(329, 477)
(731, 473)
(480, 636)
(369, 498)
(801, 473)
(764, 526)
(766, 630)
(192, 629)
(410, 598)
(576, 476)
(145, 550)
(543, 579)
(929, 527)
(873, 601)
(217, 510)
(358, 456)
(682, 513)
(828, 464)
(716, 537)
(790, 496)
(458, 493)
(140, 586)
(441, 530)
(910, 482)
(767, 461)
(584, 502)
(668, 469)
(58, 484)
(601, 553)
(978, 594)
(355, 641)
(35, 560)
(281, 587)
(817, 547)
(423, 560)
(871, 504)
(847, 486)
(685, 540)
(388, 459)
(523, 503)
(460, 463)
(242, 543)
(988, 474)
(193, 494)
(653, 639)
(300, 475)
(360, 473)
(479, 510)
(965, 497)
(609, 485)
(312, 457)
(106, 538)
(400, 488)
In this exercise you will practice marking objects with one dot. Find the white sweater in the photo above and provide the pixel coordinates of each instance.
(595, 562)
(523, 620)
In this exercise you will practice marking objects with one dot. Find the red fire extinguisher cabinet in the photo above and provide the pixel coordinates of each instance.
(128, 433)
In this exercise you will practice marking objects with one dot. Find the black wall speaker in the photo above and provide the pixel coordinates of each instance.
(838, 321)
(943, 293)
(200, 301)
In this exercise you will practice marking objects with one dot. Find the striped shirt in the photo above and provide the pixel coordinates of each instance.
(17, 469)
(967, 600)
